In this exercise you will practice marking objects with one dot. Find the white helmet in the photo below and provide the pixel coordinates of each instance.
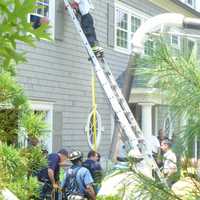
(75, 155)
(134, 153)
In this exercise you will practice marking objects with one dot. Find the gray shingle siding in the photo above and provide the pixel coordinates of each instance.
(60, 72)
(145, 6)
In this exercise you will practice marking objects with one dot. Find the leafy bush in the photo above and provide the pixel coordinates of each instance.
(36, 159)
(17, 164)
(11, 162)
(25, 189)
(108, 198)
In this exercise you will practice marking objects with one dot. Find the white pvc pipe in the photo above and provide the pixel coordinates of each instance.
(171, 19)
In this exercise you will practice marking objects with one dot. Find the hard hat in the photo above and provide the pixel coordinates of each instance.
(134, 153)
(75, 155)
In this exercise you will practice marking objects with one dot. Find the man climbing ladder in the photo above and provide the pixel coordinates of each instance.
(87, 23)
(119, 105)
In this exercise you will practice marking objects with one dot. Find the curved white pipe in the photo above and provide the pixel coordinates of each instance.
(171, 19)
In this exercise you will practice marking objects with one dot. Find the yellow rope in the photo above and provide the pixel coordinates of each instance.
(94, 109)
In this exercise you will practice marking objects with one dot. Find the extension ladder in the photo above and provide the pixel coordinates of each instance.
(119, 105)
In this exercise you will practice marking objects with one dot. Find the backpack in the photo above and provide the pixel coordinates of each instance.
(71, 186)
(95, 170)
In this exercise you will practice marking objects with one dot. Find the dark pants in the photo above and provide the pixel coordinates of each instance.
(46, 192)
(87, 25)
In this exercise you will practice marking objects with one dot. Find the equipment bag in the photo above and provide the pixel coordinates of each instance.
(71, 187)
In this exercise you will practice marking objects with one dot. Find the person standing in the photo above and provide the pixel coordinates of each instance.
(49, 176)
(78, 182)
(87, 23)
(169, 161)
(93, 165)
(161, 135)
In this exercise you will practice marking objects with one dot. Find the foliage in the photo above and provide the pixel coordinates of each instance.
(109, 198)
(152, 189)
(15, 27)
(35, 158)
(34, 123)
(11, 162)
(16, 164)
(178, 79)
(14, 167)
(25, 189)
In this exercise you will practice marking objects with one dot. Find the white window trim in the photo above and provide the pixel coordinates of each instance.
(46, 106)
(51, 17)
(99, 130)
(130, 11)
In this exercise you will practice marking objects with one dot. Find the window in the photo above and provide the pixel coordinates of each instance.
(135, 23)
(148, 47)
(47, 110)
(167, 126)
(122, 29)
(93, 142)
(195, 4)
(46, 10)
(127, 21)
(191, 45)
(43, 9)
(190, 3)
(175, 41)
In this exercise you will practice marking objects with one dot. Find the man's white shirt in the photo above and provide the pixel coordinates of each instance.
(84, 6)
(154, 144)
(169, 162)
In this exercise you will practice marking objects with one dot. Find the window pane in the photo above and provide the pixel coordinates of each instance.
(135, 23)
(122, 20)
(190, 45)
(190, 2)
(122, 37)
(175, 39)
(43, 9)
(148, 47)
(122, 29)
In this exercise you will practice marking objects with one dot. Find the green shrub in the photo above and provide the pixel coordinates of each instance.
(36, 159)
(12, 163)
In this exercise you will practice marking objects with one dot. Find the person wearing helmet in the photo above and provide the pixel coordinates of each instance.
(78, 180)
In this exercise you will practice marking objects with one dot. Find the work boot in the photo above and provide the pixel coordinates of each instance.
(98, 49)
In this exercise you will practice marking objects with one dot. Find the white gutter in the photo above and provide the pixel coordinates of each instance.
(169, 19)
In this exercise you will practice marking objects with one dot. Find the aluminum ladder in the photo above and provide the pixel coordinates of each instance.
(119, 105)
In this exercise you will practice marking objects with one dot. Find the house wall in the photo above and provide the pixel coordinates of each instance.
(59, 72)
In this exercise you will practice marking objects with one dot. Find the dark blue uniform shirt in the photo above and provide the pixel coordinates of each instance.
(53, 163)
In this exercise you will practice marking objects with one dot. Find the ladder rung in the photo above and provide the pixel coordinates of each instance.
(113, 92)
